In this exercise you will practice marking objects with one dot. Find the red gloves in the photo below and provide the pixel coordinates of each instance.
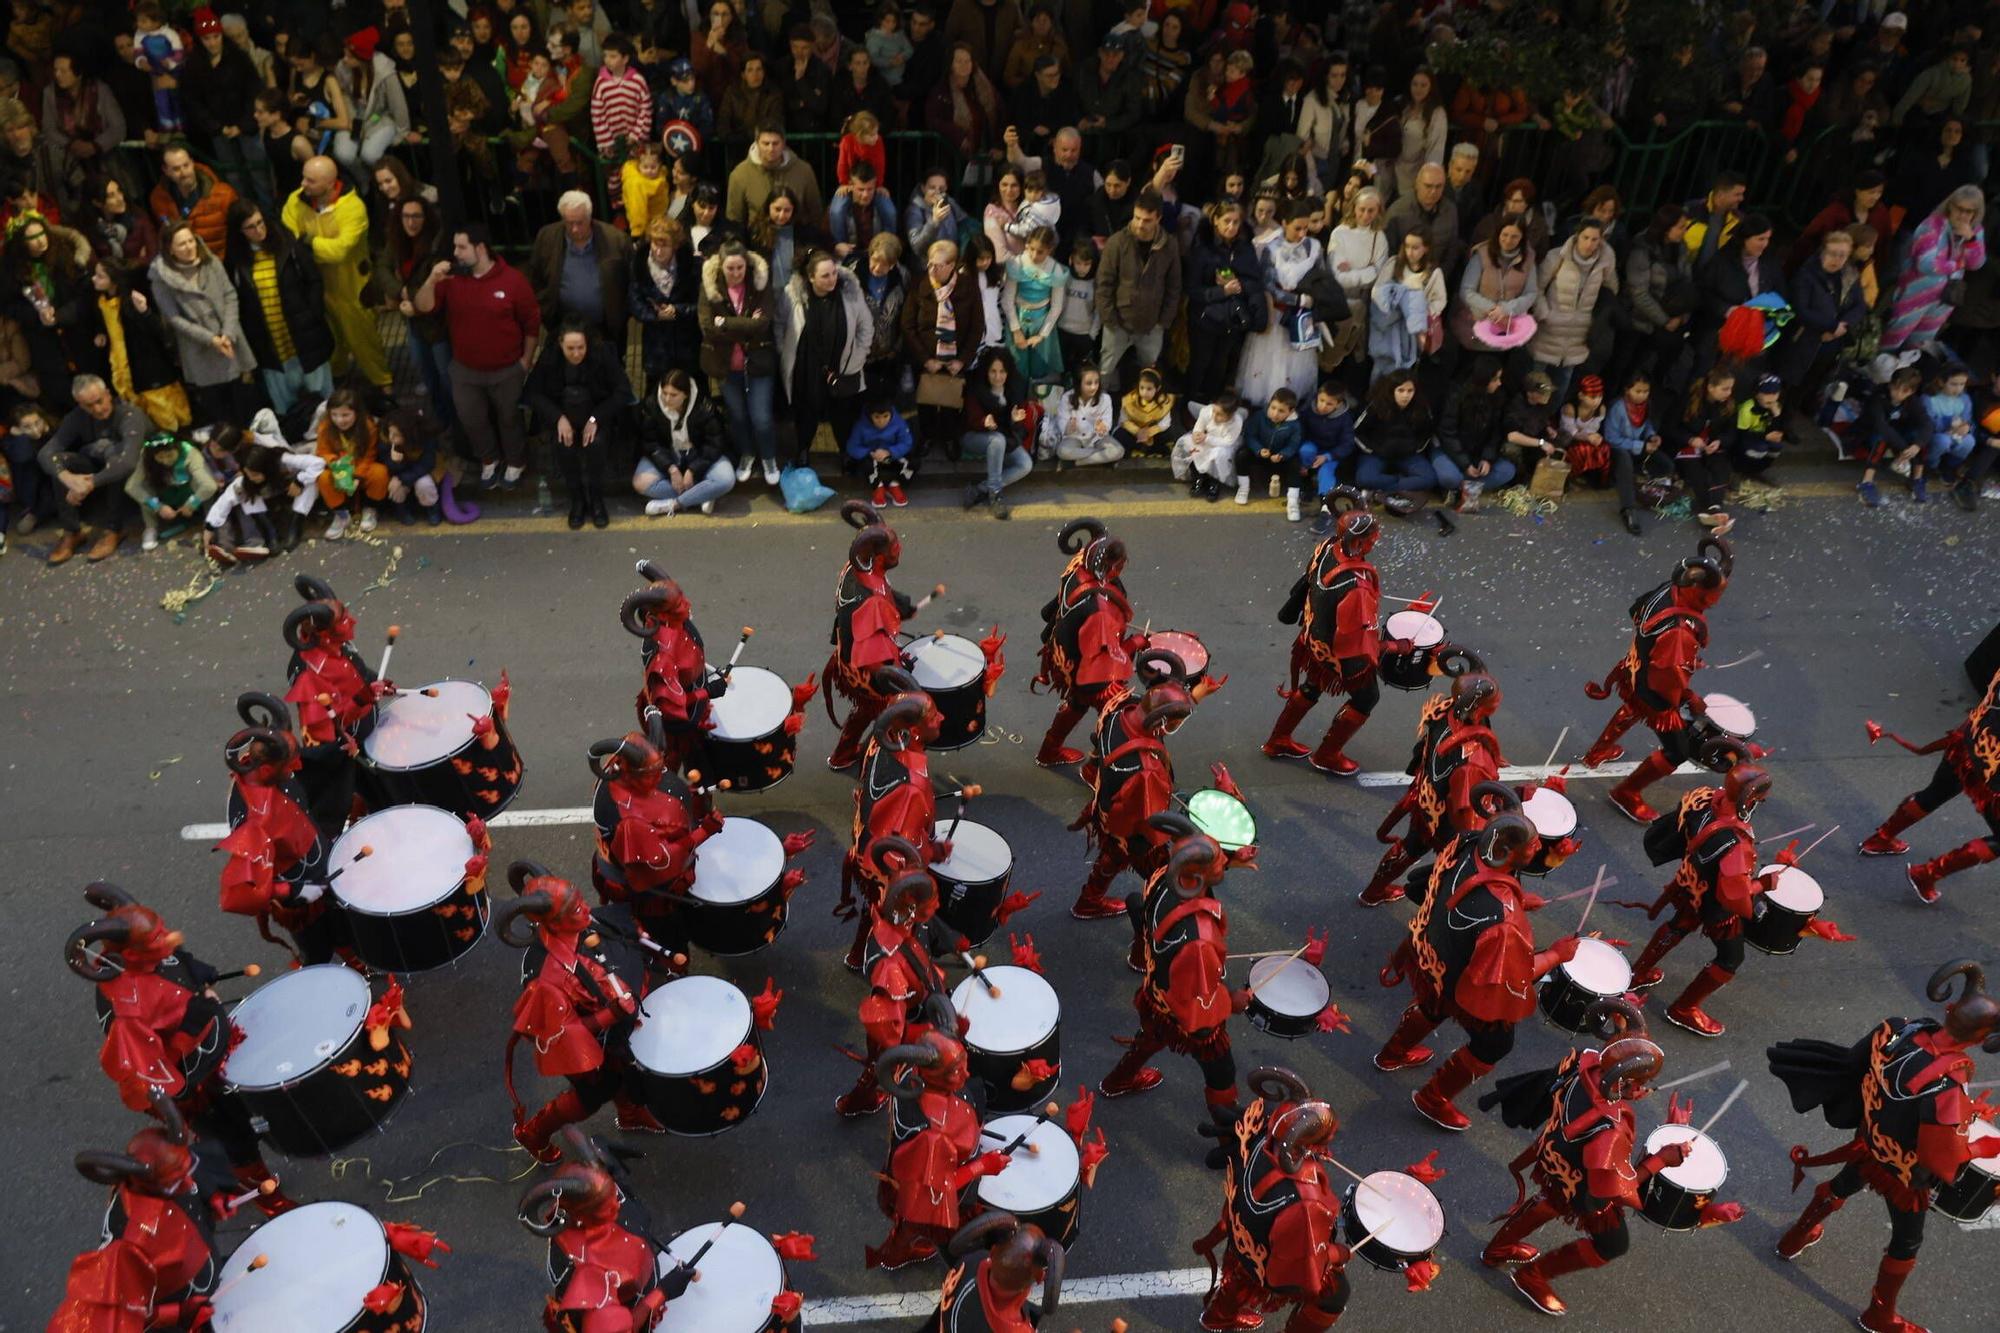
(1721, 1214)
(414, 1242)
(1426, 1170)
(798, 842)
(1220, 772)
(1419, 1275)
(1829, 931)
(1565, 949)
(383, 1298)
(985, 1164)
(795, 1245)
(1331, 1019)
(940, 850)
(764, 1005)
(1239, 1000)
(1012, 903)
(1315, 946)
(1077, 1118)
(1023, 952)
(1790, 856)
(789, 882)
(1678, 1111)
(803, 692)
(1093, 1155)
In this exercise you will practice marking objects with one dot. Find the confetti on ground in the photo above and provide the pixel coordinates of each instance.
(1757, 495)
(205, 581)
(1515, 500)
(164, 765)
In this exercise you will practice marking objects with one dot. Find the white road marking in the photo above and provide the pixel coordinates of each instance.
(1525, 773)
(568, 814)
(1079, 1291)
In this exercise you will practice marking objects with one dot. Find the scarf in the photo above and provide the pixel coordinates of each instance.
(76, 111)
(662, 274)
(1636, 412)
(1291, 263)
(947, 320)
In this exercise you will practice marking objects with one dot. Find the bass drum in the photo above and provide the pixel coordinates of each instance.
(1674, 1197)
(696, 1057)
(1290, 996)
(739, 901)
(740, 1276)
(1043, 1187)
(973, 880)
(1597, 972)
(1784, 910)
(304, 1066)
(408, 903)
(423, 752)
(952, 670)
(1411, 670)
(1009, 1031)
(322, 1265)
(1968, 1196)
(748, 744)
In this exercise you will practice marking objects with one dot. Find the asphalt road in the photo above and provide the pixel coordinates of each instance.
(117, 712)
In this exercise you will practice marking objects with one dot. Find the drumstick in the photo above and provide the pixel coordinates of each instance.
(1262, 953)
(925, 600)
(1272, 975)
(694, 775)
(1610, 882)
(730, 665)
(1033, 1149)
(967, 792)
(1047, 1113)
(1750, 657)
(1715, 1068)
(223, 1290)
(247, 970)
(952, 832)
(1789, 833)
(1742, 1086)
(1363, 1180)
(1561, 736)
(978, 966)
(1594, 889)
(270, 1186)
(382, 672)
(735, 1214)
(1817, 841)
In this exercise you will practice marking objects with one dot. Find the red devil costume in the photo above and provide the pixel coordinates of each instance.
(576, 1010)
(677, 682)
(895, 798)
(277, 850)
(335, 694)
(1901, 1089)
(1280, 1214)
(933, 1148)
(609, 1265)
(868, 616)
(1582, 1155)
(998, 1264)
(1131, 778)
(1652, 681)
(649, 825)
(1456, 752)
(1087, 639)
(1971, 765)
(1470, 957)
(1715, 889)
(907, 990)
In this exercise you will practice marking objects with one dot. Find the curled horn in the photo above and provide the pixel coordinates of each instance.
(236, 754)
(314, 613)
(1173, 823)
(511, 912)
(1310, 1121)
(77, 954)
(1454, 660)
(903, 847)
(907, 1084)
(599, 751)
(635, 602)
(107, 897)
(108, 1168)
(937, 1011)
(1724, 753)
(656, 729)
(541, 1210)
(900, 713)
(314, 590)
(981, 1231)
(170, 1117)
(521, 872)
(1189, 854)
(1722, 558)
(651, 572)
(1614, 1016)
(1345, 499)
(1275, 1083)
(1639, 1055)
(1079, 533)
(1938, 988)
(258, 709)
(895, 680)
(1050, 1252)
(1504, 797)
(860, 514)
(1157, 664)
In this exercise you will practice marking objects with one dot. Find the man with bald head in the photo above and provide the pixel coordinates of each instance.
(330, 218)
(1429, 212)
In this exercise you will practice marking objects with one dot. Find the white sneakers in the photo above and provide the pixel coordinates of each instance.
(708, 506)
(368, 519)
(150, 542)
(659, 508)
(512, 475)
(770, 474)
(486, 472)
(1291, 504)
(1243, 491)
(338, 528)
(744, 467)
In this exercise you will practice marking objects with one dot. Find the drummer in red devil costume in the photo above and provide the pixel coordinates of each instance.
(165, 1030)
(1716, 887)
(1456, 752)
(1971, 765)
(1902, 1090)
(1280, 1214)
(677, 684)
(895, 798)
(1131, 777)
(999, 1264)
(1087, 638)
(1652, 680)
(908, 992)
(613, 1283)
(1586, 1134)
(868, 616)
(1470, 957)
(335, 693)
(933, 1147)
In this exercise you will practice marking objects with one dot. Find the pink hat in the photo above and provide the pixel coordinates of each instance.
(1489, 335)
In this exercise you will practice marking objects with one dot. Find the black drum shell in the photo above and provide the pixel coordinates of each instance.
(1377, 1252)
(430, 937)
(963, 708)
(1406, 671)
(702, 1105)
(1967, 1196)
(335, 1104)
(747, 764)
(972, 907)
(1287, 1027)
(995, 1070)
(1671, 1206)
(1776, 929)
(1060, 1221)
(470, 781)
(1564, 1000)
(731, 930)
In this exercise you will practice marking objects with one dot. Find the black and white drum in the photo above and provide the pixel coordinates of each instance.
(748, 744)
(1222, 817)
(952, 670)
(1554, 819)
(972, 881)
(1021, 1024)
(408, 902)
(739, 1277)
(1406, 1219)
(1727, 718)
(1411, 670)
(423, 752)
(321, 1260)
(1597, 972)
(1784, 910)
(1968, 1195)
(696, 1059)
(305, 1069)
(740, 907)
(1290, 996)
(1191, 651)
(1043, 1182)
(1675, 1196)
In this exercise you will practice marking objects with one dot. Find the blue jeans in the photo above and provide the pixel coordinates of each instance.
(433, 364)
(1946, 448)
(32, 494)
(1450, 478)
(1561, 376)
(1408, 474)
(721, 479)
(285, 383)
(748, 398)
(1005, 463)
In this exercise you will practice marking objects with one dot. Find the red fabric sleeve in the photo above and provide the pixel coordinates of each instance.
(1736, 882)
(1196, 994)
(1497, 985)
(874, 627)
(1667, 670)
(1104, 657)
(1299, 1242)
(547, 1016)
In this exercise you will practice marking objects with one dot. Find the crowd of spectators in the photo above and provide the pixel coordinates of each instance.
(1279, 246)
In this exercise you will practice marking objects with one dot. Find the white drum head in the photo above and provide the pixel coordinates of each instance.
(1032, 1180)
(1025, 1011)
(419, 857)
(1599, 968)
(754, 705)
(1983, 1129)
(978, 854)
(740, 1276)
(1551, 813)
(294, 1024)
(1290, 986)
(320, 1260)
(1794, 889)
(1423, 631)
(1414, 1219)
(413, 729)
(1732, 715)
(1191, 650)
(741, 861)
(1705, 1168)
(689, 1025)
(946, 663)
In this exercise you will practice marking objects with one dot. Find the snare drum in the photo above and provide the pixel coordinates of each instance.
(952, 670)
(409, 905)
(740, 1276)
(1406, 1218)
(1192, 652)
(1044, 1187)
(1675, 1195)
(1784, 910)
(1411, 670)
(1290, 996)
(973, 879)
(1223, 818)
(304, 1068)
(1969, 1194)
(1554, 819)
(740, 906)
(1597, 972)
(696, 1058)
(321, 1261)
(422, 752)
(1022, 1023)
(1727, 718)
(748, 744)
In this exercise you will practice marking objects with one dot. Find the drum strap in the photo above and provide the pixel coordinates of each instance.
(1181, 913)
(1138, 744)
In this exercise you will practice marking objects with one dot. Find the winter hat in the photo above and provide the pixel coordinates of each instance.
(205, 22)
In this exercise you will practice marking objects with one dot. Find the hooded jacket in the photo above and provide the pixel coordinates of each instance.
(858, 336)
(752, 182)
(302, 296)
(753, 330)
(695, 440)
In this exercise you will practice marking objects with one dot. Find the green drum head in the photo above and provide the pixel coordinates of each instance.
(1222, 817)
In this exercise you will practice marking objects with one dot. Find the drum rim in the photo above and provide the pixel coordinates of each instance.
(739, 672)
(381, 1233)
(917, 655)
(1037, 1160)
(1286, 964)
(354, 909)
(738, 904)
(1353, 1209)
(1692, 1135)
(1011, 969)
(1428, 618)
(1527, 808)
(749, 1026)
(344, 1043)
(369, 759)
(937, 868)
(1727, 702)
(666, 1252)
(1794, 871)
(1155, 637)
(1188, 805)
(1597, 946)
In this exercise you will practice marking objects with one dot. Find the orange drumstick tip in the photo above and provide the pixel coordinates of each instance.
(365, 852)
(979, 960)
(679, 960)
(1053, 1110)
(253, 971)
(270, 1186)
(590, 941)
(736, 1211)
(725, 784)
(974, 790)
(394, 630)
(747, 631)
(259, 1262)
(694, 776)
(938, 591)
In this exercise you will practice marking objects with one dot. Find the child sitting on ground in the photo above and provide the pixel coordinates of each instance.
(1269, 452)
(1894, 426)
(1760, 436)
(1205, 457)
(410, 455)
(1327, 443)
(171, 485)
(879, 447)
(1080, 431)
(241, 522)
(1146, 413)
(1580, 433)
(347, 445)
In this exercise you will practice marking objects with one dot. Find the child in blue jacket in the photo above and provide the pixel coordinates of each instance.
(1952, 437)
(1269, 451)
(879, 448)
(1328, 437)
